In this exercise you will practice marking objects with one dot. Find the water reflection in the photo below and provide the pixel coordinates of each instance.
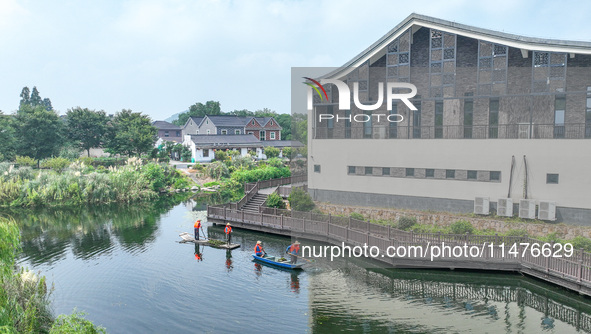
(229, 265)
(198, 253)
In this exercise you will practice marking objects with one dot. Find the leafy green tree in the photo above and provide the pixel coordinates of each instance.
(199, 110)
(39, 132)
(47, 104)
(271, 152)
(35, 99)
(130, 133)
(243, 112)
(87, 127)
(300, 200)
(7, 139)
(285, 121)
(25, 96)
(300, 128)
(275, 201)
(289, 153)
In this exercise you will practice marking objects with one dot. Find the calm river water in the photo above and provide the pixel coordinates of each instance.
(125, 268)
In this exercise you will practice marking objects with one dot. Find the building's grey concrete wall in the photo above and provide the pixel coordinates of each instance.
(190, 128)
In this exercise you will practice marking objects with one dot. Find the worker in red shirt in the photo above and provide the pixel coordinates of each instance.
(197, 226)
(258, 249)
(293, 251)
(228, 231)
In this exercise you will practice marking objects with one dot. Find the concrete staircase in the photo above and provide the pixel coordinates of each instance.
(253, 204)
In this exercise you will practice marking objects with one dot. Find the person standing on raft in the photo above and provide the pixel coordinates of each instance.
(228, 231)
(197, 226)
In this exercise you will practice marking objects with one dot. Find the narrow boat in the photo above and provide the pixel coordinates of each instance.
(276, 261)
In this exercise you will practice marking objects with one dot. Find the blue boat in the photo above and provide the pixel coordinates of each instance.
(275, 261)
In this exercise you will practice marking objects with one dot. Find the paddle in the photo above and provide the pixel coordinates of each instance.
(303, 258)
(203, 233)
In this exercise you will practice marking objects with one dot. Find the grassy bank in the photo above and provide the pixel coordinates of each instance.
(79, 183)
(24, 296)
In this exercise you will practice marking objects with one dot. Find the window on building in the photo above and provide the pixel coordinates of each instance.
(224, 132)
(472, 174)
(368, 170)
(351, 170)
(450, 173)
(237, 132)
(271, 122)
(393, 126)
(588, 114)
(416, 120)
(559, 111)
(439, 119)
(178, 133)
(468, 117)
(206, 153)
(272, 135)
(208, 131)
(493, 118)
(495, 176)
(262, 135)
(367, 128)
(250, 133)
(410, 172)
(552, 178)
(429, 172)
(316, 168)
(207, 122)
(386, 171)
(166, 134)
(347, 123)
(252, 122)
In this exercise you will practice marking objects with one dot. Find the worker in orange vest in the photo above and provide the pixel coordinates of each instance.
(228, 231)
(293, 251)
(197, 226)
(258, 249)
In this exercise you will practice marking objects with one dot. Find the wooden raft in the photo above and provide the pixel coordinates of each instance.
(189, 238)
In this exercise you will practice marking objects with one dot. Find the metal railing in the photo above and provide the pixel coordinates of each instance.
(498, 131)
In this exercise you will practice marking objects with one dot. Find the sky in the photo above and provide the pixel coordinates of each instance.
(159, 57)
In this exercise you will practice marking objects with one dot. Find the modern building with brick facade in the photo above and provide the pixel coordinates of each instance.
(500, 118)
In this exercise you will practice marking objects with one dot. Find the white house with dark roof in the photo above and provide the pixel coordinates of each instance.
(203, 147)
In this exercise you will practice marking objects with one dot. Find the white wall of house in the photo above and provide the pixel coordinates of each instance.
(568, 158)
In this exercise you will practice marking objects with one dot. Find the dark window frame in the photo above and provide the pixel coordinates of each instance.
(429, 172)
(472, 175)
(370, 169)
(410, 172)
(386, 171)
(316, 168)
(351, 170)
(496, 177)
(552, 178)
(450, 173)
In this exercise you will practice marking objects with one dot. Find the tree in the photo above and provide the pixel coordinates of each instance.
(87, 127)
(7, 142)
(38, 132)
(47, 104)
(199, 110)
(25, 96)
(289, 153)
(35, 98)
(285, 121)
(271, 152)
(130, 133)
(299, 200)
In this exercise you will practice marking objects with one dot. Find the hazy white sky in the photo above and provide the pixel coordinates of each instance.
(159, 57)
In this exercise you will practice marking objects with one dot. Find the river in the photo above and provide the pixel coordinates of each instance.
(126, 269)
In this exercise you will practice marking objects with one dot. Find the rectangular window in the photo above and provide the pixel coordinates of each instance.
(439, 119)
(416, 120)
(351, 170)
(588, 114)
(347, 123)
(166, 134)
(206, 153)
(224, 132)
(495, 176)
(367, 130)
(552, 178)
(559, 111)
(316, 168)
(178, 133)
(262, 135)
(208, 131)
(468, 117)
(386, 171)
(368, 170)
(450, 173)
(493, 118)
(393, 126)
(237, 132)
(272, 135)
(410, 172)
(472, 174)
(429, 172)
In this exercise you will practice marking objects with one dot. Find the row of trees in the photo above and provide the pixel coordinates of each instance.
(294, 127)
(38, 132)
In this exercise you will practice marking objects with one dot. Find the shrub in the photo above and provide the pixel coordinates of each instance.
(155, 174)
(74, 323)
(462, 227)
(69, 152)
(57, 164)
(275, 162)
(275, 201)
(358, 216)
(221, 155)
(271, 152)
(406, 223)
(581, 242)
(300, 200)
(217, 170)
(516, 233)
(211, 184)
(24, 161)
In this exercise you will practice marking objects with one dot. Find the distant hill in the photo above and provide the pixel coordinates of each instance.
(175, 116)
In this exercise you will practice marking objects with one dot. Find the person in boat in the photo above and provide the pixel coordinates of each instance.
(258, 249)
(228, 231)
(197, 226)
(293, 250)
